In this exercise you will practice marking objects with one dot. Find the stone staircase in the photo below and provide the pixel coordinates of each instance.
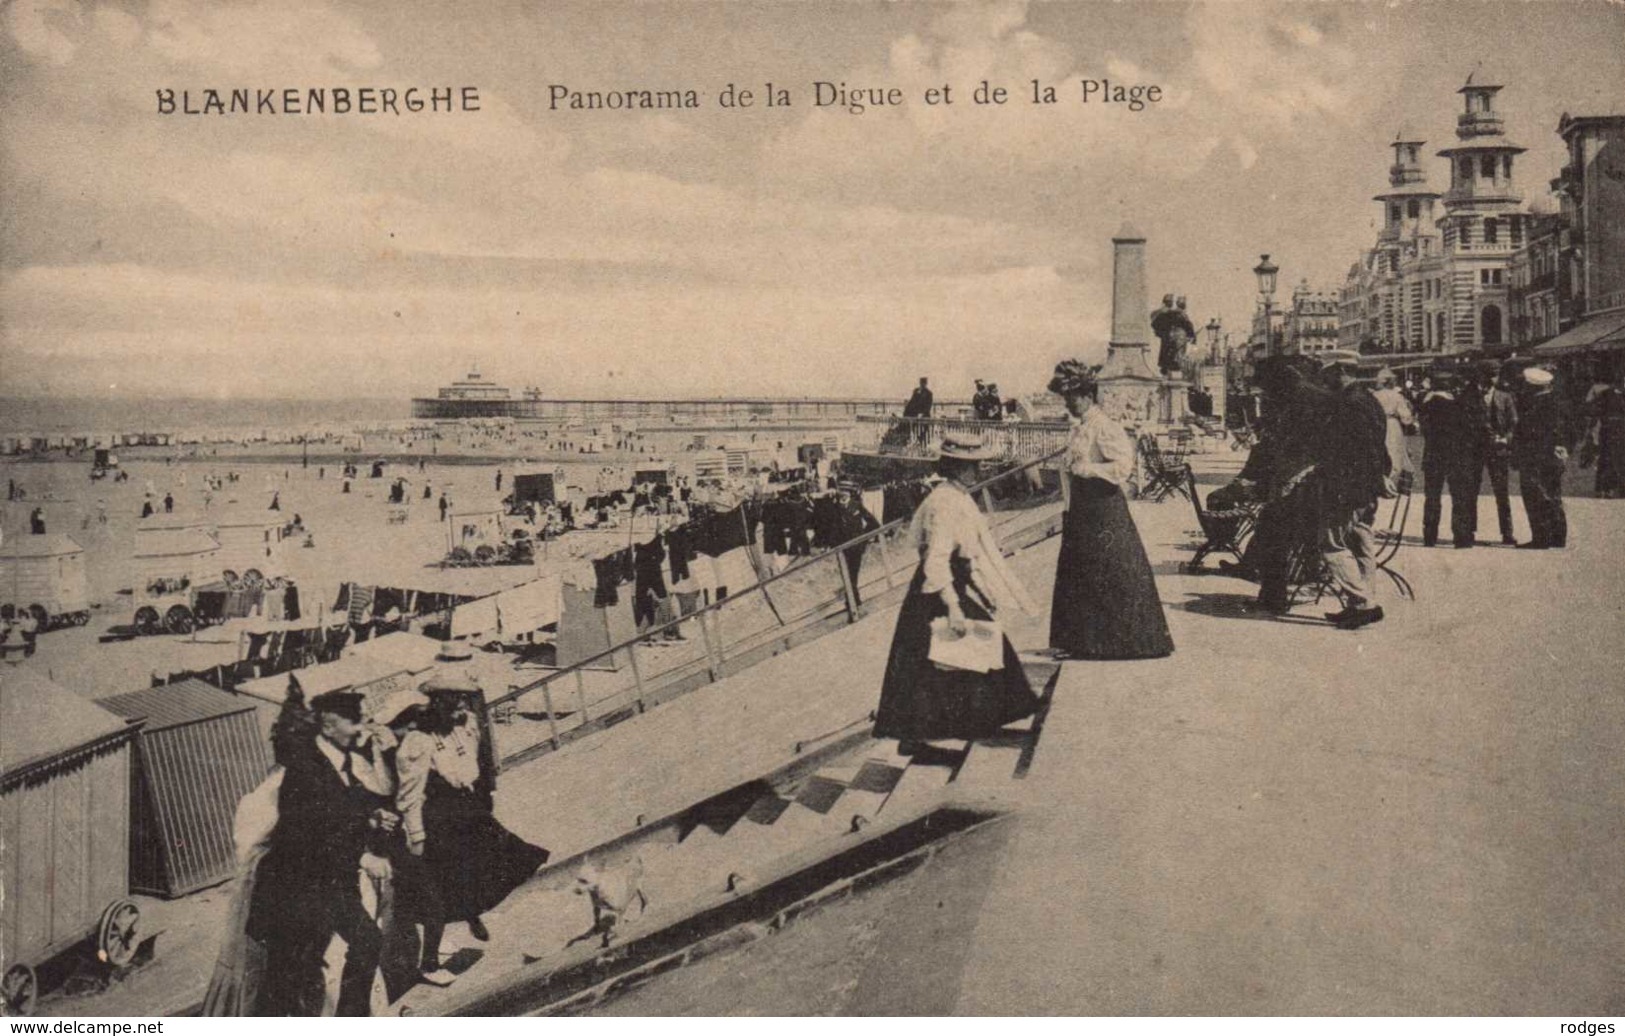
(748, 834)
(756, 833)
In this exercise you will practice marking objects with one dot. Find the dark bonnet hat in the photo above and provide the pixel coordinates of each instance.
(1073, 376)
(338, 703)
(1274, 374)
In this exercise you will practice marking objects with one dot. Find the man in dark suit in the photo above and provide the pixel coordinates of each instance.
(1539, 452)
(1450, 453)
(919, 404)
(326, 815)
(855, 521)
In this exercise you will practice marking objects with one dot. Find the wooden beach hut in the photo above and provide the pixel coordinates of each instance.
(64, 831)
(199, 752)
(45, 575)
(250, 542)
(169, 561)
(174, 553)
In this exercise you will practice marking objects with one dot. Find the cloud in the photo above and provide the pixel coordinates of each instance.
(1264, 62)
(1008, 324)
(37, 27)
(291, 38)
(800, 250)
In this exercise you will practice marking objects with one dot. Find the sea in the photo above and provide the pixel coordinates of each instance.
(35, 416)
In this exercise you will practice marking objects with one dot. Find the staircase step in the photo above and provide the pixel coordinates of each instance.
(878, 776)
(674, 871)
(819, 793)
(886, 753)
(841, 773)
(1040, 670)
(753, 848)
(920, 784)
(989, 766)
(860, 806)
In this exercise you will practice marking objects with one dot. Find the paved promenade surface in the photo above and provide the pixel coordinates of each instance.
(1424, 816)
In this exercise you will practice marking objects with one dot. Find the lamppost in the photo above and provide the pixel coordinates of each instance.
(1265, 271)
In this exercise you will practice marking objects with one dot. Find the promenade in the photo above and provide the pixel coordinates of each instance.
(1420, 817)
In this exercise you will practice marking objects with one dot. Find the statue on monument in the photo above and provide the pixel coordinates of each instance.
(1173, 328)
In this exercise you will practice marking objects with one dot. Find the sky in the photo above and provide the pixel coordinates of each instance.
(792, 251)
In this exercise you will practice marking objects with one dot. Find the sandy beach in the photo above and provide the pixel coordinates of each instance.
(350, 536)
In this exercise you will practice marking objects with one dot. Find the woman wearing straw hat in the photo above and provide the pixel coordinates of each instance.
(1106, 603)
(961, 578)
(446, 812)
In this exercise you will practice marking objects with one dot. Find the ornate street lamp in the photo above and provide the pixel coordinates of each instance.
(1265, 271)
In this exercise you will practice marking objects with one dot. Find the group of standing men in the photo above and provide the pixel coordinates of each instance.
(986, 402)
(1330, 448)
(1474, 423)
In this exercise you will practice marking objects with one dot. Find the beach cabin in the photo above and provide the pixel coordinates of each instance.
(168, 562)
(174, 554)
(539, 488)
(199, 752)
(46, 576)
(250, 542)
(65, 831)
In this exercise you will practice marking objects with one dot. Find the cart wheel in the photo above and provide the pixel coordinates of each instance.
(254, 577)
(229, 576)
(484, 552)
(147, 621)
(41, 616)
(19, 990)
(179, 619)
(116, 934)
(80, 618)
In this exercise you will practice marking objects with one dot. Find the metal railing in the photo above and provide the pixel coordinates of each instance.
(811, 597)
(922, 436)
(1603, 303)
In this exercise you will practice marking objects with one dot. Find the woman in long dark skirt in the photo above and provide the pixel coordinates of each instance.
(469, 860)
(962, 576)
(1106, 604)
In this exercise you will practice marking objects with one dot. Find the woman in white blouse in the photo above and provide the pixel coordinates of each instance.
(469, 859)
(1106, 603)
(961, 577)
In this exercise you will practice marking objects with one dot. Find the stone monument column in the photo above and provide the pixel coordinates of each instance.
(1131, 320)
(1129, 384)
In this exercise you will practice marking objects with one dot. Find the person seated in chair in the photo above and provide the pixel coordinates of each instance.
(1270, 463)
(1294, 409)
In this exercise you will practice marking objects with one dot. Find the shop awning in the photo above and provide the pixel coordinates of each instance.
(1600, 332)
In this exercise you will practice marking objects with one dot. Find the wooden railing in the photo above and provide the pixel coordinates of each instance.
(812, 597)
(922, 436)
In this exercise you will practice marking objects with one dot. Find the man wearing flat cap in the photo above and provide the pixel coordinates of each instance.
(1540, 450)
(327, 815)
(1352, 465)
